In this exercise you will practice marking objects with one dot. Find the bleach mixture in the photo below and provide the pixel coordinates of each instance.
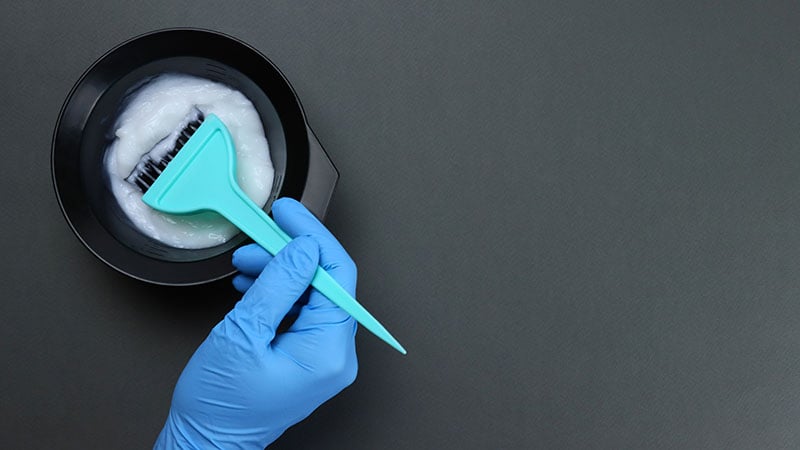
(152, 116)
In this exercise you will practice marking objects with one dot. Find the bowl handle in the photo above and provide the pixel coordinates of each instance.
(321, 179)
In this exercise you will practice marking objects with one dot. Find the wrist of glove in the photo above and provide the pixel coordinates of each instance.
(247, 383)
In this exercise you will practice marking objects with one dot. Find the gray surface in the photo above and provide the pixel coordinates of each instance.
(582, 220)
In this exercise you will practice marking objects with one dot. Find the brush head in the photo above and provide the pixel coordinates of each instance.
(200, 177)
(156, 160)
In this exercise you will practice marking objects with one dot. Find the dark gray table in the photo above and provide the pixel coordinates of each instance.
(582, 218)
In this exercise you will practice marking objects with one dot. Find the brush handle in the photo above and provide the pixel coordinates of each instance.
(254, 222)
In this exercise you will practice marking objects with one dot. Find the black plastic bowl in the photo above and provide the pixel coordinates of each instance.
(84, 131)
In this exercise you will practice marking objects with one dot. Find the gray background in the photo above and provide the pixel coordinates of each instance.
(582, 219)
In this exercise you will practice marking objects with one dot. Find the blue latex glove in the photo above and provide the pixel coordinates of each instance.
(245, 384)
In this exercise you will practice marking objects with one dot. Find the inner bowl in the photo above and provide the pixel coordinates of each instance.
(85, 130)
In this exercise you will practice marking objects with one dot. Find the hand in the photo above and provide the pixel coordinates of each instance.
(246, 383)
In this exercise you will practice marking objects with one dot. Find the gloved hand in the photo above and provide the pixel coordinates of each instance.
(246, 384)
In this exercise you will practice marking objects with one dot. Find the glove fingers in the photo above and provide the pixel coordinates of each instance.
(320, 311)
(320, 322)
(251, 259)
(328, 316)
(296, 220)
(277, 288)
(243, 282)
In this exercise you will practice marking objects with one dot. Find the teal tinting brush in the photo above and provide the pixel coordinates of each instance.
(199, 174)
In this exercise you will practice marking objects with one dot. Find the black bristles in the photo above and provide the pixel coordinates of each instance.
(148, 169)
(141, 185)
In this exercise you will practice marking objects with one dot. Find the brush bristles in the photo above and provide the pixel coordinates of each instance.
(147, 171)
